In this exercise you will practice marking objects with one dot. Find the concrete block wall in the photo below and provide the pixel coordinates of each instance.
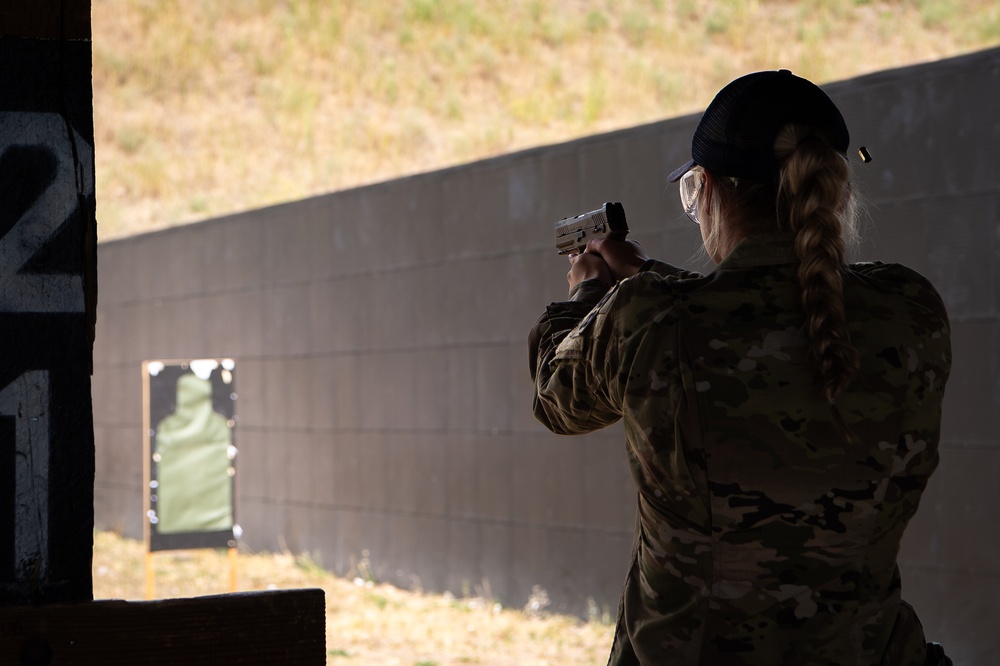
(379, 334)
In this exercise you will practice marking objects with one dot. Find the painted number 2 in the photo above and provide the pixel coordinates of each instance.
(26, 399)
(43, 219)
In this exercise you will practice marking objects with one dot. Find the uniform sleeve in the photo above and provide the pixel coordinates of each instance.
(582, 351)
(928, 321)
(560, 318)
(929, 360)
(925, 352)
(570, 395)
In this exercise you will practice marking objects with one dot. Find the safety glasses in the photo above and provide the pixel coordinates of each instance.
(690, 190)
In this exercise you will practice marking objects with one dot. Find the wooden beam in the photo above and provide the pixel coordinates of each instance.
(46, 19)
(273, 627)
(48, 292)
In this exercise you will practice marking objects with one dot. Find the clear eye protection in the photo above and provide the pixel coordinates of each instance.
(690, 190)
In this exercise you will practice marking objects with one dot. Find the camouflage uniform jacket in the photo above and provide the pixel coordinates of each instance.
(762, 536)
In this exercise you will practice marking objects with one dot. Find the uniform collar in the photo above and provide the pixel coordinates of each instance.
(761, 250)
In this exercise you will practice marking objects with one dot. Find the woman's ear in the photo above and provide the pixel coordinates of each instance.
(705, 200)
(707, 189)
(712, 234)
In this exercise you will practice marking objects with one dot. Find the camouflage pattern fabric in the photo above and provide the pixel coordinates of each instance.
(762, 537)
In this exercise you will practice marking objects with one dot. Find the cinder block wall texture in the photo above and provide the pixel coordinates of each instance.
(379, 333)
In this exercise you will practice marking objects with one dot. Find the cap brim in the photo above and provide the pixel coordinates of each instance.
(676, 175)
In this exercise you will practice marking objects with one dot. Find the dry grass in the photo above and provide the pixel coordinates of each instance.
(208, 107)
(367, 623)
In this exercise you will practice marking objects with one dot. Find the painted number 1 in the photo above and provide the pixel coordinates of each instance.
(27, 400)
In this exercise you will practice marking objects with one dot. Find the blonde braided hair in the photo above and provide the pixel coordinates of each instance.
(812, 199)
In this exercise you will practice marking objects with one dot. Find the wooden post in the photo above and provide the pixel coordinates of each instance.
(233, 558)
(48, 297)
(47, 301)
(150, 576)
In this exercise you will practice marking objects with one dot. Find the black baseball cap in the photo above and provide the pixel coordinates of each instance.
(736, 134)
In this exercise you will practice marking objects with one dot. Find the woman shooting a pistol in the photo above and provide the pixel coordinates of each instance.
(782, 413)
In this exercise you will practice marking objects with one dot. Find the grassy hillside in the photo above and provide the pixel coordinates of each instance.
(204, 107)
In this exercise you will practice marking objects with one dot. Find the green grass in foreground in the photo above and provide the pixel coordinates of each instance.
(367, 622)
